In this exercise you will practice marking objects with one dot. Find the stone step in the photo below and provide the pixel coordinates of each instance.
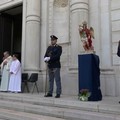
(109, 106)
(17, 115)
(65, 112)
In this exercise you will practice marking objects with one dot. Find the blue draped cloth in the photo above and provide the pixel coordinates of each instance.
(89, 75)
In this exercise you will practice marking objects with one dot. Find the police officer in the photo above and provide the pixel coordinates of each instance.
(52, 58)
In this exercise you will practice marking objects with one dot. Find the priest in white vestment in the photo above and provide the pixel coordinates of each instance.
(15, 75)
(5, 68)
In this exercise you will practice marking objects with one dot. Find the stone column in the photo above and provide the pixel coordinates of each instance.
(105, 35)
(32, 41)
(44, 31)
(95, 22)
(23, 34)
(108, 77)
(78, 14)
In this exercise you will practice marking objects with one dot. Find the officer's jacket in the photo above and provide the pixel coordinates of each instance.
(54, 52)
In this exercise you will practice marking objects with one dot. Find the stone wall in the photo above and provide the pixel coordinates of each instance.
(62, 17)
(5, 1)
(5, 4)
(115, 27)
(115, 36)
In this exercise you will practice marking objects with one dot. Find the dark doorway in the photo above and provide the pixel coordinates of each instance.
(5, 34)
(11, 31)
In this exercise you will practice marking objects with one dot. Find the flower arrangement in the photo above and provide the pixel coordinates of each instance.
(84, 95)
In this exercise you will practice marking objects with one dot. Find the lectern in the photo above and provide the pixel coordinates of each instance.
(89, 75)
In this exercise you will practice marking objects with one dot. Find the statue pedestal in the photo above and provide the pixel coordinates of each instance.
(89, 75)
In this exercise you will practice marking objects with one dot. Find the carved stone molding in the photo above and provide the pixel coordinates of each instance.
(60, 3)
(4, 1)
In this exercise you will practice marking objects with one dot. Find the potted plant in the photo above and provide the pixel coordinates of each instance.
(84, 95)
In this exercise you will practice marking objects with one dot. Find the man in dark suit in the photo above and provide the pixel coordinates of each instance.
(52, 58)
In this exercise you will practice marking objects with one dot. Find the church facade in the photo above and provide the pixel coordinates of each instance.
(42, 18)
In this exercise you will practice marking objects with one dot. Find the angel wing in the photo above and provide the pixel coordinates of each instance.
(81, 30)
(92, 32)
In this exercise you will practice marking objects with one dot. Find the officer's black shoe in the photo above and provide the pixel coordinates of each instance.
(57, 96)
(48, 95)
(119, 102)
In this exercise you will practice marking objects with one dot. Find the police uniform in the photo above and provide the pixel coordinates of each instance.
(54, 52)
